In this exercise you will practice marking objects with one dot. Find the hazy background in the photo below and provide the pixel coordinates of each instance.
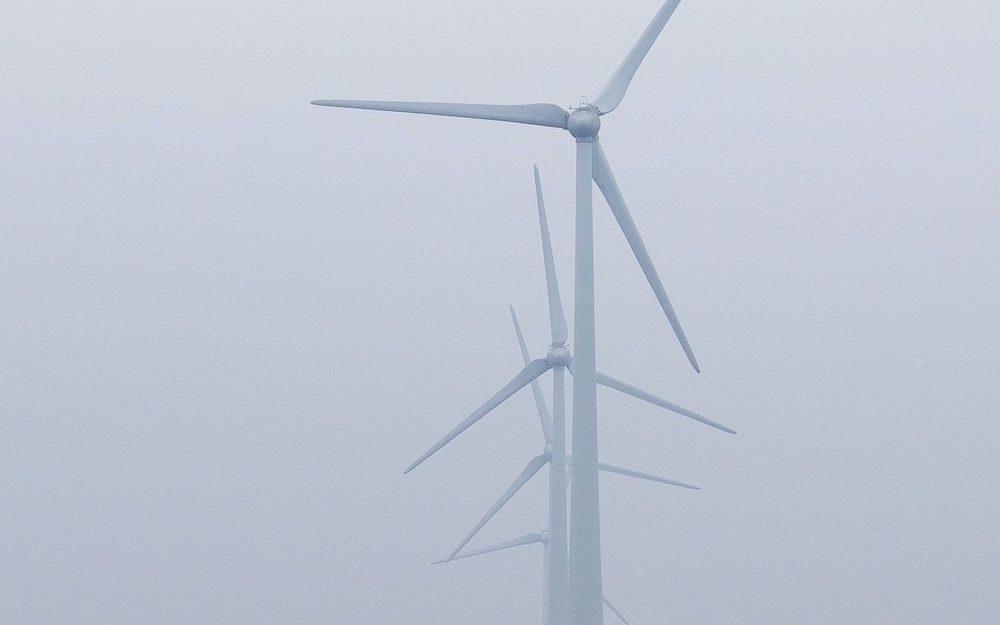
(230, 319)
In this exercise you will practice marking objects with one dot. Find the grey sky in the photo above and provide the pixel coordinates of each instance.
(230, 319)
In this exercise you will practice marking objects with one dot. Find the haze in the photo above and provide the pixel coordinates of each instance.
(230, 319)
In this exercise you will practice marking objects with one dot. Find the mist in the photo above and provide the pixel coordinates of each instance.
(231, 319)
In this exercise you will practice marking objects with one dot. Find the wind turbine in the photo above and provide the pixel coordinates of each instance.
(553, 427)
(528, 539)
(554, 603)
(557, 359)
(584, 124)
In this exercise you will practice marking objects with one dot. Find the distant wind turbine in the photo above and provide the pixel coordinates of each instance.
(584, 124)
(553, 575)
(528, 539)
(553, 428)
(557, 359)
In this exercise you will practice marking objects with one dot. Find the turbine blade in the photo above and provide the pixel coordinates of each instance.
(610, 468)
(605, 180)
(614, 91)
(529, 471)
(606, 380)
(534, 369)
(543, 411)
(557, 320)
(527, 539)
(533, 114)
(615, 610)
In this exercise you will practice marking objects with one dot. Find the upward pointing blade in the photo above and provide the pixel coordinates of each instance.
(615, 610)
(614, 91)
(534, 369)
(534, 114)
(606, 380)
(527, 539)
(543, 411)
(557, 320)
(529, 471)
(605, 179)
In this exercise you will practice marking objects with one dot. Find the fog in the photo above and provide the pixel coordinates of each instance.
(230, 319)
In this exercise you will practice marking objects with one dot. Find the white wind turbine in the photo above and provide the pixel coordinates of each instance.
(583, 123)
(553, 427)
(553, 612)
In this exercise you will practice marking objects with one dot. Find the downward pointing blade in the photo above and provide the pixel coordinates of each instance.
(543, 411)
(610, 468)
(529, 471)
(605, 179)
(527, 539)
(557, 320)
(615, 610)
(606, 380)
(534, 114)
(534, 369)
(614, 91)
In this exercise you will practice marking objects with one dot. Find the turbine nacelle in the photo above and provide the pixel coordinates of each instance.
(559, 356)
(584, 123)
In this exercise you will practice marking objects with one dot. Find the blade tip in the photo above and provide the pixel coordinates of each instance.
(717, 426)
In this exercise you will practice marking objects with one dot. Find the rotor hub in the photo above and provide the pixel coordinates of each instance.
(584, 123)
(559, 356)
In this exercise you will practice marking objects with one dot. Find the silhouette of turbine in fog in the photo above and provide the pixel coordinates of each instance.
(553, 432)
(583, 123)
(552, 558)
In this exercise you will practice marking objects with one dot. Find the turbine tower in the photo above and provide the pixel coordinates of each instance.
(583, 123)
(553, 428)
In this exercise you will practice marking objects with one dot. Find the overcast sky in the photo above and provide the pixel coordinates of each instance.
(230, 319)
